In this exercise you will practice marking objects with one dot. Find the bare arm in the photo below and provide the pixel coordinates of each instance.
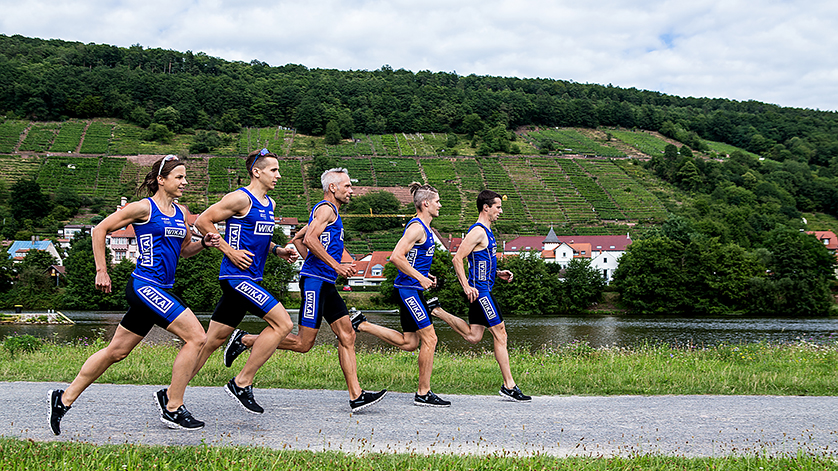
(233, 204)
(298, 242)
(412, 236)
(138, 211)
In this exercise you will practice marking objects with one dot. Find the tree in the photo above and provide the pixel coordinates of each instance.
(81, 290)
(28, 202)
(533, 290)
(196, 280)
(376, 203)
(205, 141)
(582, 286)
(332, 133)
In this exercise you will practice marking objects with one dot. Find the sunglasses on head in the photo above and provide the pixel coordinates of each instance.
(260, 154)
(163, 162)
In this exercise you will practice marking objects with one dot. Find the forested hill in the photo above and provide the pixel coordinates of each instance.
(54, 79)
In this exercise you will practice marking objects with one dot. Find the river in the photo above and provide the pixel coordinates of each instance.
(532, 332)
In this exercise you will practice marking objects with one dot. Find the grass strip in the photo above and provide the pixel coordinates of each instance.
(29, 455)
(800, 368)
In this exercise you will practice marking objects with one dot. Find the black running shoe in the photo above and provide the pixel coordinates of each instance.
(244, 396)
(433, 303)
(513, 394)
(234, 347)
(161, 399)
(356, 318)
(430, 400)
(57, 409)
(181, 418)
(366, 399)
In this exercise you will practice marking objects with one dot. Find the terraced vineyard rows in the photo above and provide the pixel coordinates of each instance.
(641, 141)
(40, 137)
(290, 194)
(442, 176)
(570, 141)
(78, 173)
(394, 171)
(633, 199)
(360, 169)
(10, 132)
(69, 137)
(96, 138)
(497, 179)
(535, 195)
(16, 168)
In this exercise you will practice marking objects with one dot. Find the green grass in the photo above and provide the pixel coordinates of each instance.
(574, 368)
(30, 455)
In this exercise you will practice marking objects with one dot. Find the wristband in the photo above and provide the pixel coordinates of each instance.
(204, 244)
(274, 250)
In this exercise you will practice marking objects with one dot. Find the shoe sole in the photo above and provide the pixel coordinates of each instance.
(49, 412)
(227, 348)
(157, 404)
(175, 426)
(233, 395)
(425, 404)
(510, 398)
(360, 408)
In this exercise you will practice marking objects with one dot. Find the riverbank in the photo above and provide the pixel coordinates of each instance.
(799, 368)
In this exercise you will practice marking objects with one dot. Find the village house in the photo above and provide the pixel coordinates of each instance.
(19, 248)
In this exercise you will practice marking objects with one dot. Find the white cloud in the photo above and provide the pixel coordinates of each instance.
(767, 50)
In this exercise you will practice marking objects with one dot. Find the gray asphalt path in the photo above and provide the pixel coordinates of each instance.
(556, 425)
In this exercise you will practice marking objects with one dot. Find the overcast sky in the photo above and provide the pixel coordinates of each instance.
(782, 52)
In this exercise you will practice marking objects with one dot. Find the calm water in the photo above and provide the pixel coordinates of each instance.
(533, 331)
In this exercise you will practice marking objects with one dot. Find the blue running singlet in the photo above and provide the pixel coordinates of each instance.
(332, 240)
(483, 264)
(251, 232)
(159, 240)
(419, 257)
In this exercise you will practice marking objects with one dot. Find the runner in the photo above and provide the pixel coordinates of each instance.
(480, 248)
(163, 235)
(413, 256)
(249, 216)
(322, 241)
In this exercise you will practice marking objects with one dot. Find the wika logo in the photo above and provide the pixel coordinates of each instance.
(430, 252)
(325, 239)
(415, 308)
(411, 256)
(481, 270)
(252, 292)
(308, 312)
(235, 234)
(146, 243)
(488, 308)
(178, 232)
(264, 228)
(155, 298)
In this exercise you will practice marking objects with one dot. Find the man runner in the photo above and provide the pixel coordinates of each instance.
(413, 256)
(480, 247)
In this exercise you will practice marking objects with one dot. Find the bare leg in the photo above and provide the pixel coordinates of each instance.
(408, 341)
(187, 327)
(217, 334)
(473, 333)
(426, 357)
(119, 347)
(502, 354)
(346, 353)
(279, 326)
(300, 342)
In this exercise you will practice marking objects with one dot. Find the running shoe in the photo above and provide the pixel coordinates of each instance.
(430, 400)
(161, 398)
(244, 396)
(357, 318)
(513, 394)
(181, 418)
(234, 347)
(433, 303)
(57, 409)
(366, 399)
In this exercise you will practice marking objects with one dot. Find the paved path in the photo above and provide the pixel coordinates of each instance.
(556, 425)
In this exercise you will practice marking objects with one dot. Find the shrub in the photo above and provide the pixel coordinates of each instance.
(22, 344)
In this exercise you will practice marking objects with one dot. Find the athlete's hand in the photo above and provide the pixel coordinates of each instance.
(288, 254)
(471, 293)
(426, 282)
(505, 275)
(241, 259)
(212, 240)
(103, 281)
(433, 280)
(345, 270)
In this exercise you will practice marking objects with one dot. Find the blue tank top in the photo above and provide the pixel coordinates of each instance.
(332, 240)
(159, 240)
(483, 264)
(419, 257)
(251, 232)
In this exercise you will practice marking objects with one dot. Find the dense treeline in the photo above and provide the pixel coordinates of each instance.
(54, 79)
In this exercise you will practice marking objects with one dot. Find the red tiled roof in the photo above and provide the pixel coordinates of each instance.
(826, 236)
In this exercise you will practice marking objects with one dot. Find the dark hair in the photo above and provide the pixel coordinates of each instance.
(421, 193)
(486, 198)
(169, 163)
(256, 158)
